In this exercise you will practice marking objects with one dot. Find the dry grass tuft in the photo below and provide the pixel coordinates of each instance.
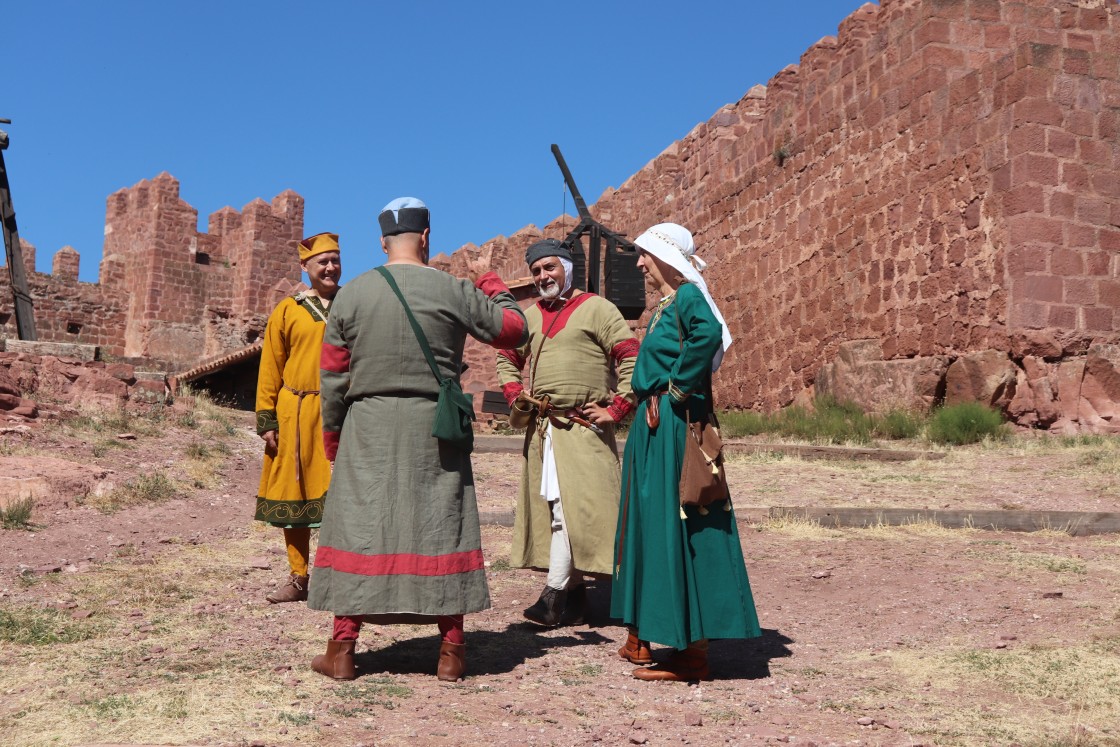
(799, 528)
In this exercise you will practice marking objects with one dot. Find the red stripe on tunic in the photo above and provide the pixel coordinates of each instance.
(625, 349)
(564, 312)
(398, 564)
(334, 359)
(513, 330)
(330, 444)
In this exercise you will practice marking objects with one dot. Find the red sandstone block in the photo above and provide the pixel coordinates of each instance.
(1081, 291)
(1042, 288)
(1105, 183)
(1030, 315)
(1098, 318)
(1077, 40)
(1076, 61)
(1031, 229)
(1035, 168)
(1074, 177)
(1109, 240)
(997, 36)
(1060, 143)
(1097, 152)
(1093, 210)
(1067, 262)
(985, 10)
(1025, 198)
(1109, 292)
(1078, 122)
(1061, 205)
(1097, 264)
(931, 31)
(1080, 236)
(1063, 317)
(1025, 259)
(1038, 110)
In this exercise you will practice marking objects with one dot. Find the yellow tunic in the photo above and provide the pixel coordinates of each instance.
(295, 480)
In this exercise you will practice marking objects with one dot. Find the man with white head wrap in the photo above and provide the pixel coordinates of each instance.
(579, 355)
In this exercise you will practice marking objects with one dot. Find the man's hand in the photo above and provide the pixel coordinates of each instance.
(480, 265)
(598, 414)
(271, 442)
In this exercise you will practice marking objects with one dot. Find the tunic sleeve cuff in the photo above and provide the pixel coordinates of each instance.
(491, 284)
(620, 408)
(678, 394)
(267, 421)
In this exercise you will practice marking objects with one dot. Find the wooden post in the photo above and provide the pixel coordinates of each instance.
(25, 312)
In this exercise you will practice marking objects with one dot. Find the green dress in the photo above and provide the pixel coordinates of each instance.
(676, 580)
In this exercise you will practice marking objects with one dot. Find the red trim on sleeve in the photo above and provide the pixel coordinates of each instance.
(330, 444)
(398, 564)
(625, 349)
(513, 330)
(620, 408)
(511, 390)
(491, 284)
(334, 359)
(513, 357)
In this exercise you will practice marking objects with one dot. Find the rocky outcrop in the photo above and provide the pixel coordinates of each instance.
(27, 381)
(1079, 394)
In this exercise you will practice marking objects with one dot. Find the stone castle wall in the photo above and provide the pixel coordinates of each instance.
(943, 176)
(167, 292)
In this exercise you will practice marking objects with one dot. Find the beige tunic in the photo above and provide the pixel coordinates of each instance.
(587, 356)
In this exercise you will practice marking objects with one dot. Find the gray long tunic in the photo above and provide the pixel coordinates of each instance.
(401, 534)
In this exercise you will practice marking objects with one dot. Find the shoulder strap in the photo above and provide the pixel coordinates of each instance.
(420, 338)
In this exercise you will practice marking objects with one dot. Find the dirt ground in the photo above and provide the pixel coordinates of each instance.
(133, 617)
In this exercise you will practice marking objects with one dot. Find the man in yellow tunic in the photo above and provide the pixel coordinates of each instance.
(580, 355)
(296, 471)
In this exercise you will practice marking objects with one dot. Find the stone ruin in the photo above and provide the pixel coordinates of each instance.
(167, 294)
(925, 209)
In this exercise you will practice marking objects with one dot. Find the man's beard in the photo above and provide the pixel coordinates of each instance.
(550, 292)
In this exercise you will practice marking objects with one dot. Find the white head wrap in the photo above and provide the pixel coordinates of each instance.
(673, 245)
(567, 275)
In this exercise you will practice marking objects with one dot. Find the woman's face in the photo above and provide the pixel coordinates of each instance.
(658, 274)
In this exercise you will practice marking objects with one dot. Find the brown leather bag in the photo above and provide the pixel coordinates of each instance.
(703, 479)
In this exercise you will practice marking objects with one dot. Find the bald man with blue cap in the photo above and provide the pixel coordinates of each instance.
(401, 541)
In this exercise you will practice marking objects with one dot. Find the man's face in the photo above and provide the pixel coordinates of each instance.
(548, 277)
(323, 271)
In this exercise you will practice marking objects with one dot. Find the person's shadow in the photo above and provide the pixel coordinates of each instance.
(502, 651)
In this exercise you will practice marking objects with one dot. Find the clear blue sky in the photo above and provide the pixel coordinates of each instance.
(354, 103)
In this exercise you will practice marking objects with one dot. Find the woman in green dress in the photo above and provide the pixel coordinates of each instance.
(679, 576)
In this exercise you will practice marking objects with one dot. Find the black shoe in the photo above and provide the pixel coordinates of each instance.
(576, 606)
(548, 609)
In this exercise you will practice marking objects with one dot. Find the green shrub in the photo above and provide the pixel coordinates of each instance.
(18, 514)
(966, 423)
(898, 424)
(734, 424)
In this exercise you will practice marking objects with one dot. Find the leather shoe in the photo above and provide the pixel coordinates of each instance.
(295, 590)
(635, 650)
(452, 661)
(548, 609)
(689, 665)
(338, 662)
(575, 606)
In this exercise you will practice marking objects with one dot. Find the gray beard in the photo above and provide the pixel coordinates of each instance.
(551, 293)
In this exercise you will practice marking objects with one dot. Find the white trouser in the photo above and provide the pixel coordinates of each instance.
(560, 564)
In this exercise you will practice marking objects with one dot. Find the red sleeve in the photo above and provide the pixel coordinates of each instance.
(513, 329)
(625, 349)
(620, 408)
(334, 359)
(511, 390)
(491, 284)
(330, 444)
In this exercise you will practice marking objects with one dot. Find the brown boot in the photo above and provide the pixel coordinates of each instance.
(295, 590)
(338, 662)
(683, 666)
(635, 650)
(452, 661)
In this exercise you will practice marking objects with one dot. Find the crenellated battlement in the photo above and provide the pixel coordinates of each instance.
(167, 291)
